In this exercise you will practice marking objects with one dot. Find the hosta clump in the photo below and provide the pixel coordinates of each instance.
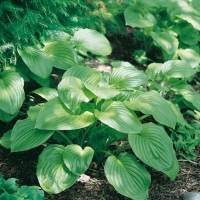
(165, 24)
(90, 110)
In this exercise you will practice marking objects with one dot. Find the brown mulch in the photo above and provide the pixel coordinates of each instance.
(22, 166)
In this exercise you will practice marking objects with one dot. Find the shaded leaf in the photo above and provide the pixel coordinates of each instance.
(5, 140)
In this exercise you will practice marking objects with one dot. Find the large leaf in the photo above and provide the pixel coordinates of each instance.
(117, 116)
(128, 177)
(54, 177)
(127, 77)
(46, 93)
(93, 41)
(153, 71)
(33, 112)
(77, 159)
(55, 116)
(11, 92)
(25, 136)
(61, 54)
(102, 92)
(139, 18)
(5, 117)
(5, 140)
(166, 41)
(190, 56)
(85, 74)
(37, 61)
(154, 147)
(151, 103)
(192, 19)
(177, 69)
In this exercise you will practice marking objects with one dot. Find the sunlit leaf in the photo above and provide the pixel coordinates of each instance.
(93, 41)
(33, 112)
(55, 116)
(177, 69)
(154, 147)
(151, 103)
(102, 92)
(61, 54)
(71, 93)
(190, 56)
(153, 70)
(46, 93)
(37, 61)
(85, 74)
(77, 159)
(117, 116)
(11, 92)
(25, 136)
(138, 18)
(127, 77)
(54, 177)
(128, 177)
(166, 41)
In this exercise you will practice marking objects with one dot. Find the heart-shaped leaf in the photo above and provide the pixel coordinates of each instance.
(152, 103)
(154, 147)
(11, 92)
(77, 159)
(55, 116)
(54, 177)
(128, 177)
(117, 116)
(85, 74)
(25, 136)
(127, 77)
(37, 61)
(71, 93)
(61, 54)
(93, 41)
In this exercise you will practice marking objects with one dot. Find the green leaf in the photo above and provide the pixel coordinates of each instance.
(5, 117)
(140, 56)
(153, 71)
(177, 69)
(54, 177)
(127, 77)
(61, 54)
(30, 192)
(77, 159)
(55, 116)
(189, 39)
(25, 136)
(37, 61)
(154, 147)
(85, 74)
(46, 93)
(10, 185)
(5, 140)
(93, 41)
(190, 56)
(151, 103)
(192, 19)
(117, 116)
(102, 92)
(166, 41)
(128, 177)
(193, 98)
(45, 82)
(33, 112)
(8, 196)
(138, 18)
(70, 91)
(11, 92)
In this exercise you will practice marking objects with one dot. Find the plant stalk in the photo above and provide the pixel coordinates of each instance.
(63, 135)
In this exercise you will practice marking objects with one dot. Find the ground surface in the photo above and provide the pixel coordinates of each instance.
(23, 165)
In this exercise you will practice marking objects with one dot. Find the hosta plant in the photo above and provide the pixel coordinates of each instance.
(82, 118)
(165, 25)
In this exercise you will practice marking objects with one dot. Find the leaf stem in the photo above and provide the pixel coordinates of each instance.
(63, 135)
(84, 135)
(107, 152)
(121, 149)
